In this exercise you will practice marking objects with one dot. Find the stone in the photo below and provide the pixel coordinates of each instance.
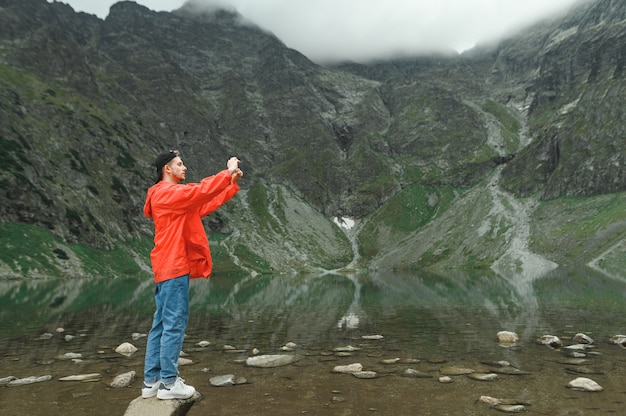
(507, 337)
(204, 344)
(6, 380)
(550, 340)
(618, 340)
(69, 338)
(137, 335)
(584, 384)
(349, 368)
(582, 339)
(156, 407)
(348, 348)
(268, 361)
(510, 408)
(184, 361)
(390, 361)
(579, 347)
(82, 377)
(455, 371)
(372, 337)
(124, 379)
(445, 380)
(126, 348)
(483, 376)
(365, 374)
(221, 381)
(70, 356)
(491, 401)
(412, 373)
(29, 380)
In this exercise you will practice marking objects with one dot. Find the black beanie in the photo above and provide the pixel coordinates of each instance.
(162, 160)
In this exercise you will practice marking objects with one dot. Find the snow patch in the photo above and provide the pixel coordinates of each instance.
(344, 222)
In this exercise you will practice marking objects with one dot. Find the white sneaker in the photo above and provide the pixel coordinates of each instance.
(149, 391)
(178, 390)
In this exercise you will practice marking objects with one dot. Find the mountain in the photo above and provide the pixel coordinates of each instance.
(507, 154)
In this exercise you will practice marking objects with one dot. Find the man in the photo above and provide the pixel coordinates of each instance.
(181, 252)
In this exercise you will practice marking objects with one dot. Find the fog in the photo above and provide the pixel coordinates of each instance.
(362, 30)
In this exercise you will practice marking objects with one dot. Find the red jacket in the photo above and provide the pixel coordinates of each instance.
(180, 242)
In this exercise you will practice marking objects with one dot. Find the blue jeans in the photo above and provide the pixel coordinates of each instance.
(165, 340)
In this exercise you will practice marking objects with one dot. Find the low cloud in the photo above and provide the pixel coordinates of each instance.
(362, 30)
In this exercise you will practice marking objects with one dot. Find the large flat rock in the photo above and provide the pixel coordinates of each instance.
(156, 407)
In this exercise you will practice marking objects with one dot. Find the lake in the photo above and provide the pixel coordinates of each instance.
(392, 322)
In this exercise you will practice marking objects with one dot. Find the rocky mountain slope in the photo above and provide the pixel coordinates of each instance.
(509, 156)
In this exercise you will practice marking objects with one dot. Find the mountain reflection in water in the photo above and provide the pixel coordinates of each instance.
(451, 318)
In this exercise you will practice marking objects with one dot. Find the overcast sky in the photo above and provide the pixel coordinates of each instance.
(364, 29)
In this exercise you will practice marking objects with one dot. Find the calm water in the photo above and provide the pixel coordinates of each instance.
(438, 320)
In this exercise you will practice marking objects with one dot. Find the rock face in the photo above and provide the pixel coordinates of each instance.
(88, 96)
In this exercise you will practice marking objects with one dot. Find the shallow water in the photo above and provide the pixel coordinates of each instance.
(438, 320)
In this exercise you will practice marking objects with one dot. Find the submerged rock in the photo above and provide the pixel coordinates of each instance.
(221, 381)
(349, 368)
(29, 380)
(412, 373)
(347, 348)
(227, 380)
(618, 340)
(365, 374)
(372, 337)
(507, 337)
(82, 377)
(510, 408)
(126, 348)
(584, 384)
(268, 361)
(550, 340)
(6, 380)
(452, 370)
(483, 376)
(581, 338)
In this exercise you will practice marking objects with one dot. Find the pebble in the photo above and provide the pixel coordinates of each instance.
(412, 373)
(372, 337)
(348, 348)
(204, 344)
(70, 356)
(137, 335)
(445, 380)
